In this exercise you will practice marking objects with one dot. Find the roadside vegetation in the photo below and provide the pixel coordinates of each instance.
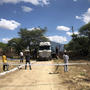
(79, 46)
(27, 39)
(78, 76)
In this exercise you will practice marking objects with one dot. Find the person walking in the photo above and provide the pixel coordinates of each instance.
(27, 58)
(66, 58)
(5, 64)
(21, 57)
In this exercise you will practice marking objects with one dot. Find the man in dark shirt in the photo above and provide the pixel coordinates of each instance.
(27, 57)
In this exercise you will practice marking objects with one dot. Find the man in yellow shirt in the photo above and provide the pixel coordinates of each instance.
(5, 64)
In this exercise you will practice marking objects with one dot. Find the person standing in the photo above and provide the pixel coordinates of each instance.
(35, 53)
(57, 53)
(21, 57)
(27, 58)
(5, 64)
(66, 58)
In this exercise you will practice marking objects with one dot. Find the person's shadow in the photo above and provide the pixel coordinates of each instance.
(55, 72)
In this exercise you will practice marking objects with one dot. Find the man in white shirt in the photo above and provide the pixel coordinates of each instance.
(21, 56)
(66, 58)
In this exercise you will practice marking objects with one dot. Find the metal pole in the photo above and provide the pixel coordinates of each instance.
(72, 30)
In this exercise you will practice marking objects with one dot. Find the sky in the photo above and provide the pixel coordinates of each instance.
(57, 15)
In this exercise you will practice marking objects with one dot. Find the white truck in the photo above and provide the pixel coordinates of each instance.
(44, 51)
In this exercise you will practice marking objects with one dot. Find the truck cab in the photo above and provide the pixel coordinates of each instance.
(44, 51)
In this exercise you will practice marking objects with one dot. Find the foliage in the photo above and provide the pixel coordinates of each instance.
(78, 45)
(32, 37)
(16, 44)
(3, 46)
(85, 30)
(27, 38)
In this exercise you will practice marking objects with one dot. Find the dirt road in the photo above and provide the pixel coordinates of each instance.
(39, 78)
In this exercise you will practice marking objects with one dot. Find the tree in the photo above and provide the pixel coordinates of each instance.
(34, 36)
(78, 45)
(3, 46)
(16, 44)
(85, 30)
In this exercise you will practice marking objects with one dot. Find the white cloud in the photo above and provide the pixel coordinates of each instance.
(30, 29)
(45, 2)
(70, 33)
(5, 40)
(78, 17)
(34, 2)
(9, 1)
(64, 28)
(58, 39)
(85, 17)
(9, 24)
(26, 9)
(75, 0)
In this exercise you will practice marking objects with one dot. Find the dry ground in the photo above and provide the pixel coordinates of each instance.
(48, 78)
(39, 78)
(78, 77)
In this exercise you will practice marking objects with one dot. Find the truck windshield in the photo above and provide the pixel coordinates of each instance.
(44, 48)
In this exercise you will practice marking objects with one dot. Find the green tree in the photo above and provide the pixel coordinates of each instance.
(32, 37)
(3, 46)
(16, 44)
(78, 46)
(85, 30)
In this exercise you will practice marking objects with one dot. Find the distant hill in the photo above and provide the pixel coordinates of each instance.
(60, 46)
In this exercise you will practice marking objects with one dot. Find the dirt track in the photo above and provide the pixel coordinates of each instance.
(39, 78)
